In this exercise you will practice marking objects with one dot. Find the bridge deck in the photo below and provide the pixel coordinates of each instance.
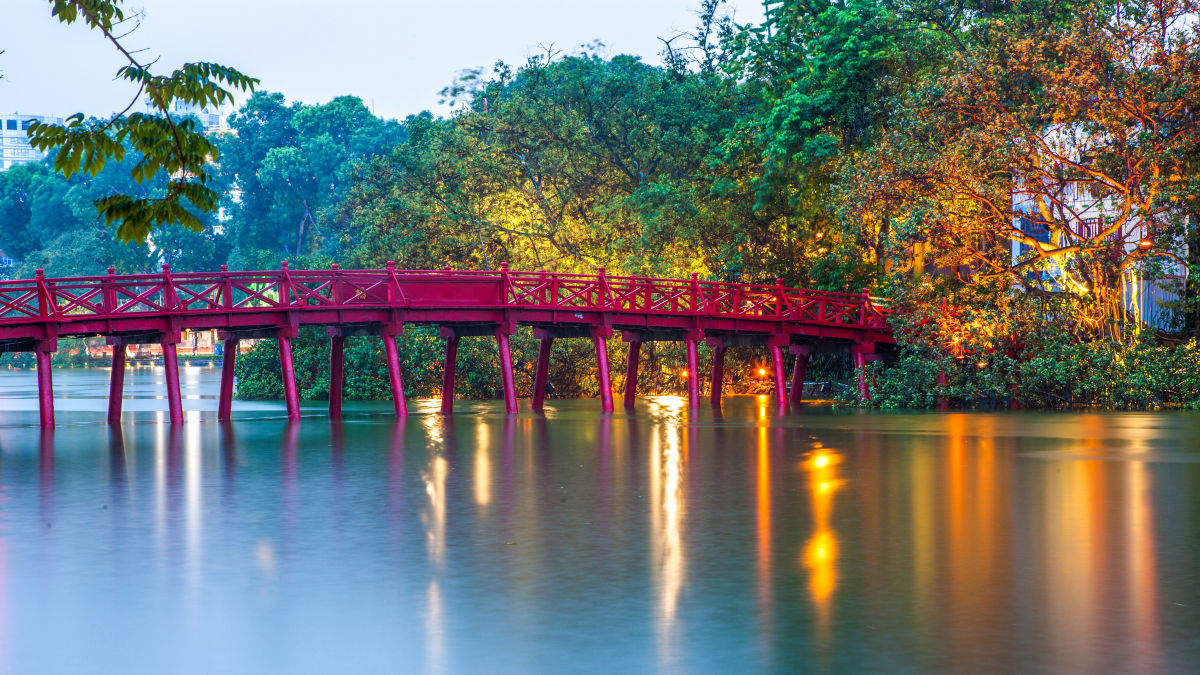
(157, 307)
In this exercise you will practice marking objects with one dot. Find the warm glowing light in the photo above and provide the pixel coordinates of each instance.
(762, 371)
(819, 554)
(683, 374)
(1145, 243)
(982, 364)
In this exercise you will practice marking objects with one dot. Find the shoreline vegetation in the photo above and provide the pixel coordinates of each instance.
(1022, 180)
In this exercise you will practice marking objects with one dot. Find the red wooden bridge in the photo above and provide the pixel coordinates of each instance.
(155, 308)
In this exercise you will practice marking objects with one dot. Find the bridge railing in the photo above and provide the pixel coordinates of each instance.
(66, 299)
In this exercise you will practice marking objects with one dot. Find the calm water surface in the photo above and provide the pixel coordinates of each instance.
(575, 542)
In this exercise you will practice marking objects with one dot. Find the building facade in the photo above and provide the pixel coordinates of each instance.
(14, 140)
(213, 121)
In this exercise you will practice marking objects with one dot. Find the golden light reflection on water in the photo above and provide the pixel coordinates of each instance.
(1099, 535)
(763, 523)
(483, 467)
(434, 518)
(667, 456)
(820, 552)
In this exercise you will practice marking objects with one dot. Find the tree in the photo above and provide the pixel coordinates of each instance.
(1060, 136)
(287, 165)
(170, 149)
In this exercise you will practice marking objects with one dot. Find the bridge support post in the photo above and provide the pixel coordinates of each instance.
(448, 371)
(718, 377)
(45, 380)
(859, 353)
(399, 402)
(600, 339)
(506, 372)
(171, 368)
(337, 375)
(693, 374)
(631, 372)
(228, 364)
(542, 373)
(116, 383)
(291, 395)
(802, 353)
(777, 370)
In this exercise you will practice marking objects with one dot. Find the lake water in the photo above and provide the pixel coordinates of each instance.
(576, 542)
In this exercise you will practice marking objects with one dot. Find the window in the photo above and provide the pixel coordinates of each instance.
(25, 125)
(12, 125)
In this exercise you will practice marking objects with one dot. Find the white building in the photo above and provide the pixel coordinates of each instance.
(14, 141)
(213, 121)
(1084, 211)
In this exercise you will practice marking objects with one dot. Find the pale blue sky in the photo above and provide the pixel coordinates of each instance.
(396, 55)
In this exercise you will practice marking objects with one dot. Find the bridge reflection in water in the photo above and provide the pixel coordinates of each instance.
(669, 539)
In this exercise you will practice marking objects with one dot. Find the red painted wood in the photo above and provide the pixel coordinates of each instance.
(45, 379)
(115, 304)
(171, 368)
(254, 301)
(541, 374)
(798, 370)
(777, 369)
(228, 366)
(291, 395)
(449, 369)
(397, 382)
(718, 376)
(506, 374)
(631, 373)
(337, 377)
(606, 399)
(693, 374)
(116, 384)
(860, 365)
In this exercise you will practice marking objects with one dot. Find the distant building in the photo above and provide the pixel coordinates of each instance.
(14, 142)
(1152, 300)
(212, 120)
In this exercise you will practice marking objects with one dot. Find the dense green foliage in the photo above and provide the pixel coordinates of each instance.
(885, 144)
(173, 155)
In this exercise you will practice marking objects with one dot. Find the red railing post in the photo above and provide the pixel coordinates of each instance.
(779, 299)
(108, 299)
(696, 299)
(335, 291)
(505, 284)
(395, 293)
(47, 303)
(226, 289)
(170, 297)
(602, 289)
(554, 290)
(285, 284)
(862, 312)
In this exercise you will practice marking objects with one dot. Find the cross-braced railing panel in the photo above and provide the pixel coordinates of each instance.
(115, 296)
